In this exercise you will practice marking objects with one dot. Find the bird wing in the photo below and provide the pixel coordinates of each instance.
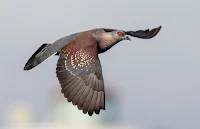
(48, 50)
(80, 75)
(144, 34)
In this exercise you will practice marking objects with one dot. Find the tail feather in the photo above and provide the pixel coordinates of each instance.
(39, 56)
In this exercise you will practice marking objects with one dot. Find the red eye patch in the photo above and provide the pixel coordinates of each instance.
(120, 33)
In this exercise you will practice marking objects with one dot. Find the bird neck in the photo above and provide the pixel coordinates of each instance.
(106, 42)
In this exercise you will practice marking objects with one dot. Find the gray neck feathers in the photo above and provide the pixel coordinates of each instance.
(105, 41)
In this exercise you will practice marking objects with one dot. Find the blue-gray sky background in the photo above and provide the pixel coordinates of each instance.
(158, 78)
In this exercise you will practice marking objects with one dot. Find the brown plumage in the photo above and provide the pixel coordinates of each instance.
(79, 69)
(79, 62)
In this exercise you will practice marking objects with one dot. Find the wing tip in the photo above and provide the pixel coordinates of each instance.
(152, 33)
(28, 66)
(145, 34)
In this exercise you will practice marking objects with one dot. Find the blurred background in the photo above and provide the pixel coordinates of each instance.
(150, 84)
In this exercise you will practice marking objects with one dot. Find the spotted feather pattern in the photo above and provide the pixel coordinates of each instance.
(80, 76)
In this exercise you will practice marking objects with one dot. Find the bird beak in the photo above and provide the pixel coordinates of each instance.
(127, 38)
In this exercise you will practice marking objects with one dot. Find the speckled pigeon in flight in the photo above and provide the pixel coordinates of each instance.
(79, 69)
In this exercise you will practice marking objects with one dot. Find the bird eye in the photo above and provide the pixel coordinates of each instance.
(120, 33)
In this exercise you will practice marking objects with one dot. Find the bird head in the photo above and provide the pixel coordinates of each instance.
(120, 35)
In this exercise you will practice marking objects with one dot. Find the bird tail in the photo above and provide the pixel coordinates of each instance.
(43, 52)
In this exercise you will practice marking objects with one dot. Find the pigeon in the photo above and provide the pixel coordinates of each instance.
(79, 69)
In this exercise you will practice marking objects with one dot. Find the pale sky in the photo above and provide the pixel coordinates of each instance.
(159, 77)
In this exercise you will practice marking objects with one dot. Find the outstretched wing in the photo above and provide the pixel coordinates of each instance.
(80, 75)
(144, 34)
